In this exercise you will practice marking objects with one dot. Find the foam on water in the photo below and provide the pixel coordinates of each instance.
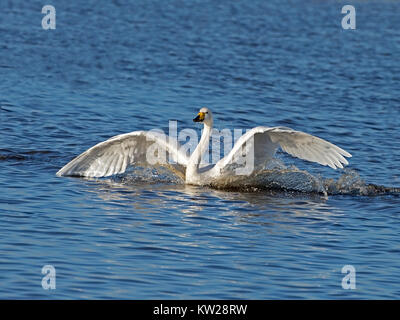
(277, 177)
(294, 179)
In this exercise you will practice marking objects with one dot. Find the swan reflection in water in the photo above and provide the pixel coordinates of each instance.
(208, 203)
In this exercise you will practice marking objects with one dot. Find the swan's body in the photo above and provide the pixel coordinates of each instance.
(250, 153)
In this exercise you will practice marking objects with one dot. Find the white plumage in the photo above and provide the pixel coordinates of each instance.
(114, 155)
(256, 147)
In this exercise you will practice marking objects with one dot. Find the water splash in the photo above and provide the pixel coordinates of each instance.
(275, 177)
(351, 183)
(293, 179)
(148, 175)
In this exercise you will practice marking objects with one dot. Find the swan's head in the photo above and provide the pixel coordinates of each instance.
(204, 116)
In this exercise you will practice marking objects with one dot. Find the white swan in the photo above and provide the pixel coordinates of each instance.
(252, 152)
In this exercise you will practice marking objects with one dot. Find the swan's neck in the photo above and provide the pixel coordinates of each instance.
(192, 170)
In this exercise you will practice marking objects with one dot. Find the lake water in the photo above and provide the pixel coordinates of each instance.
(112, 67)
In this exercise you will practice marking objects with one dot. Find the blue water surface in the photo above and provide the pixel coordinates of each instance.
(112, 67)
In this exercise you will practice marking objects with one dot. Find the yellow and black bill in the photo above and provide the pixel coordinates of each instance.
(200, 117)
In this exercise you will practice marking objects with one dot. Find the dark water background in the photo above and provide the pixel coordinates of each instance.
(112, 67)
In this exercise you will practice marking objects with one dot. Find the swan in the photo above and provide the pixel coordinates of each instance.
(252, 151)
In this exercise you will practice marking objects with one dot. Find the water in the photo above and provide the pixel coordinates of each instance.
(112, 67)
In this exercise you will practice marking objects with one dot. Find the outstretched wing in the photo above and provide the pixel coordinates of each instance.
(264, 141)
(114, 155)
